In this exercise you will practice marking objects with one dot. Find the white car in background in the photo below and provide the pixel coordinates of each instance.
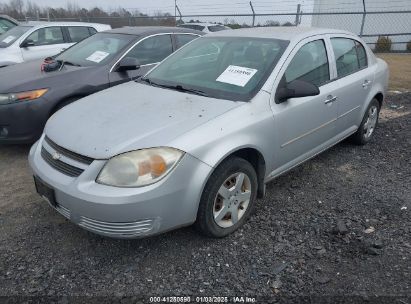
(205, 27)
(36, 40)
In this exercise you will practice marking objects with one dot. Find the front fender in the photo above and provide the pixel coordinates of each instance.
(248, 126)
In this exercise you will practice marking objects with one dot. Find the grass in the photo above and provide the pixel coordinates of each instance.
(400, 70)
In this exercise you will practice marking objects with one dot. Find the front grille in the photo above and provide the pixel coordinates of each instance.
(128, 229)
(80, 158)
(59, 165)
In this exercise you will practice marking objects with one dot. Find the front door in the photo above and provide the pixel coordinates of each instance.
(304, 125)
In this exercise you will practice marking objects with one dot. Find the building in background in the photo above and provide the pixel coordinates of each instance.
(374, 24)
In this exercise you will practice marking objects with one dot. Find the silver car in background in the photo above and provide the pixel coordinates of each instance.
(197, 138)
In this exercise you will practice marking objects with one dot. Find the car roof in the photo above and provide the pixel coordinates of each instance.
(202, 23)
(5, 17)
(55, 23)
(151, 30)
(279, 32)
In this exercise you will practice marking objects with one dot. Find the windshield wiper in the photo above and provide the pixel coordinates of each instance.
(179, 88)
(63, 63)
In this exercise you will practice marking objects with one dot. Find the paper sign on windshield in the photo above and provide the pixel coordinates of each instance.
(97, 56)
(237, 75)
(9, 39)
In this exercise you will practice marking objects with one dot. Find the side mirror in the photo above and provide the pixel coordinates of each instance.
(295, 89)
(128, 64)
(27, 43)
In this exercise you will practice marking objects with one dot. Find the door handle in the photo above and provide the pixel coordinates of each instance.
(366, 83)
(330, 99)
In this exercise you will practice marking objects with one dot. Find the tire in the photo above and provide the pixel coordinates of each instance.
(368, 124)
(231, 174)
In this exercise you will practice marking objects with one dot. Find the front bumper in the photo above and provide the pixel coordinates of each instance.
(125, 212)
(23, 122)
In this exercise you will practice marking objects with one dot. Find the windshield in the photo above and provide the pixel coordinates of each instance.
(217, 28)
(98, 49)
(233, 68)
(9, 37)
(5, 25)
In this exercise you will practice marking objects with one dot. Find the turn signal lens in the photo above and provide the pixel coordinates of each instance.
(30, 95)
(22, 96)
(158, 165)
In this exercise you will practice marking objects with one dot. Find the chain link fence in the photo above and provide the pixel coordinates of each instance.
(384, 30)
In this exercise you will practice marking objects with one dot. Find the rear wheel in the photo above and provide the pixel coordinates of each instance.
(228, 198)
(368, 124)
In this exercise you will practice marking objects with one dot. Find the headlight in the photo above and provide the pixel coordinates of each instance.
(139, 168)
(22, 96)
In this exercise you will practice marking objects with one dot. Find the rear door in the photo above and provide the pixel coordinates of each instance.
(354, 78)
(304, 125)
(149, 52)
(47, 41)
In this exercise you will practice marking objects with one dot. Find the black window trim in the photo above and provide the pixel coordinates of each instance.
(335, 59)
(328, 60)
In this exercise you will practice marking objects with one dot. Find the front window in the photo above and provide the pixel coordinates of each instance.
(152, 50)
(96, 50)
(9, 37)
(47, 36)
(310, 64)
(233, 68)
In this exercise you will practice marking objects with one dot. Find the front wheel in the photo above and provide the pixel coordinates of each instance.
(368, 124)
(228, 198)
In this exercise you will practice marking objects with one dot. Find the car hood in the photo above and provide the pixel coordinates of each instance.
(129, 117)
(28, 76)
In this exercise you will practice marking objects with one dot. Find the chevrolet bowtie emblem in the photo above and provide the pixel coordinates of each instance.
(56, 156)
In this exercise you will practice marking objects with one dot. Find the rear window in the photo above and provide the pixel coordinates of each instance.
(182, 39)
(216, 28)
(193, 26)
(78, 33)
(350, 56)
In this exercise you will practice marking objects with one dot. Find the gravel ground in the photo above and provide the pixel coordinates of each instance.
(337, 226)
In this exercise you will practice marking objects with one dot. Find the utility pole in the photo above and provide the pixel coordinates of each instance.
(297, 16)
(179, 12)
(252, 9)
(175, 11)
(363, 18)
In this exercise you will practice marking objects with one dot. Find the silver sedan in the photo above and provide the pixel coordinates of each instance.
(198, 137)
